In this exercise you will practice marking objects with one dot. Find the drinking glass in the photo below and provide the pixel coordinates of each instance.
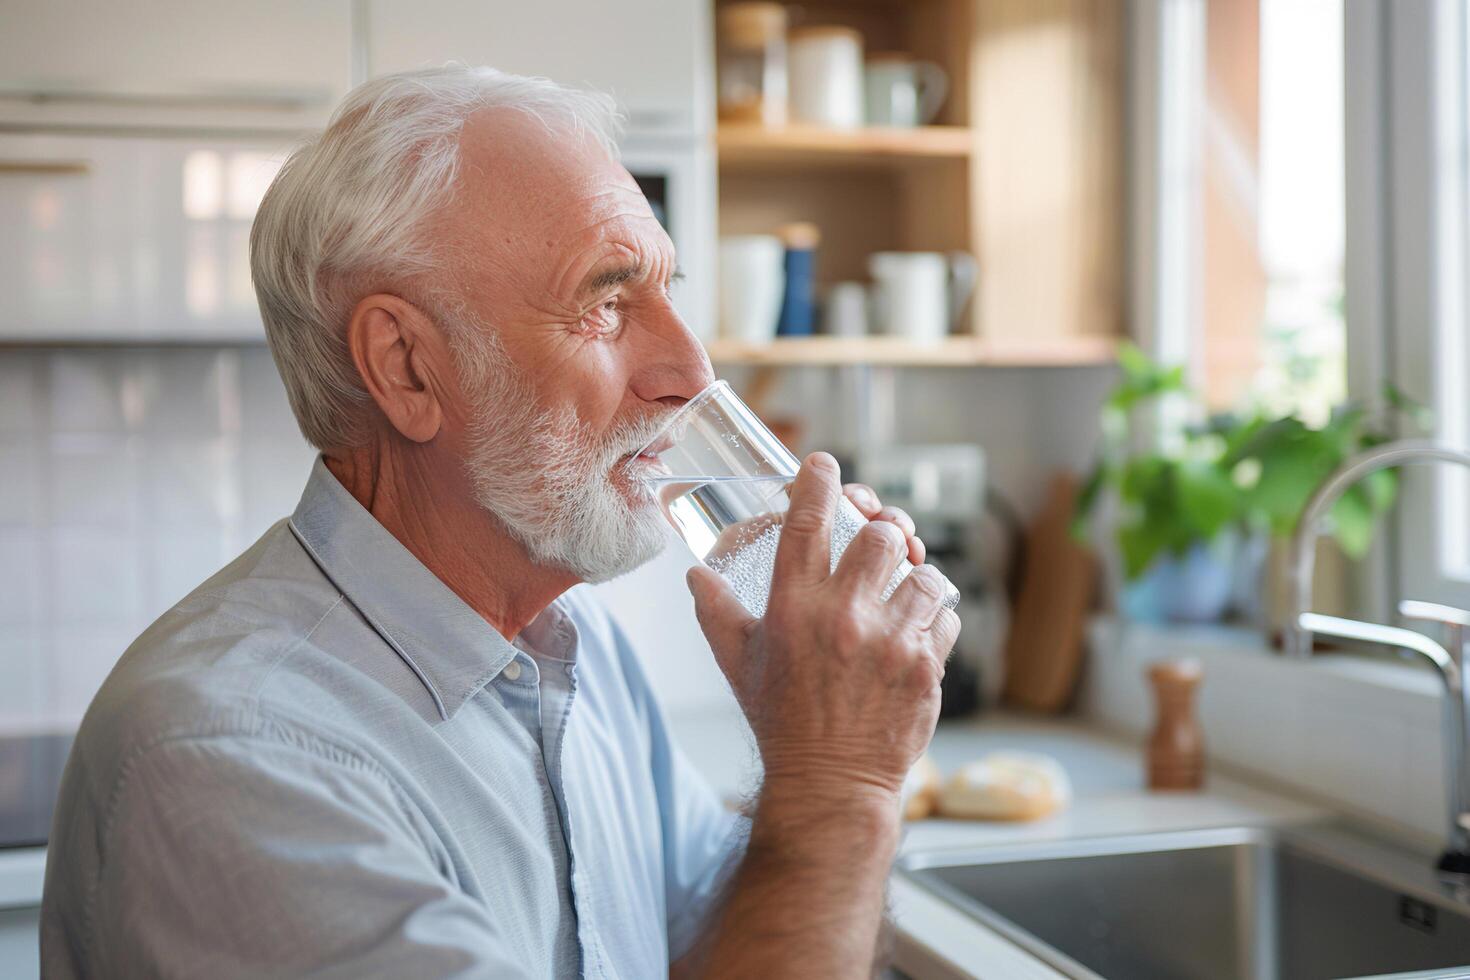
(724, 482)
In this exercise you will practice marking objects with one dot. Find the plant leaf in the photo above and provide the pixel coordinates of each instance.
(1292, 467)
(1208, 498)
(1353, 519)
(1140, 544)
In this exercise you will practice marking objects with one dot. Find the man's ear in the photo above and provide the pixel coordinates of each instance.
(392, 345)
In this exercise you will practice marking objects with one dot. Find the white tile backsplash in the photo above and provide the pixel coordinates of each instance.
(19, 395)
(24, 698)
(178, 562)
(92, 392)
(21, 489)
(190, 483)
(185, 393)
(272, 476)
(20, 585)
(127, 477)
(96, 482)
(81, 658)
(96, 576)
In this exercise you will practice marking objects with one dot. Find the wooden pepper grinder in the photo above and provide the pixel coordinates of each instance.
(1176, 749)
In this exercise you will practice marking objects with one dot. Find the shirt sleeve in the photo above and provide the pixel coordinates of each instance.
(703, 840)
(248, 857)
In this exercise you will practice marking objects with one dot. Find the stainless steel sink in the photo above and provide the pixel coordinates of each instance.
(1232, 903)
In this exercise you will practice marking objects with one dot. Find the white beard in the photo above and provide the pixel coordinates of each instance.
(547, 485)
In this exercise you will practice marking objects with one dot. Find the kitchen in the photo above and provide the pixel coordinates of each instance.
(1101, 293)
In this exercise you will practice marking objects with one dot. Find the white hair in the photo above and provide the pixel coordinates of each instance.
(350, 205)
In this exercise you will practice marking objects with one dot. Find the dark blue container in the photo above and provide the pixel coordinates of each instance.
(798, 304)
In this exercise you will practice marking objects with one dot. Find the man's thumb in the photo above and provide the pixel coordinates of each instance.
(723, 619)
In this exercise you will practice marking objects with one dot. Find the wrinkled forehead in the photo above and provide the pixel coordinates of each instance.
(527, 189)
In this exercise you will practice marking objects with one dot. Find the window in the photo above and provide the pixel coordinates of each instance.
(1255, 133)
(1300, 233)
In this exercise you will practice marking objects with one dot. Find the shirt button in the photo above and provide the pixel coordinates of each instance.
(512, 671)
(570, 670)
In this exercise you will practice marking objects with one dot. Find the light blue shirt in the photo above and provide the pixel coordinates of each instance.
(322, 761)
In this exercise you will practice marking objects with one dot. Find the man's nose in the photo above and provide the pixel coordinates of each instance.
(673, 364)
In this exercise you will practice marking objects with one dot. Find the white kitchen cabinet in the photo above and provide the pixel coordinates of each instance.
(653, 55)
(130, 238)
(267, 63)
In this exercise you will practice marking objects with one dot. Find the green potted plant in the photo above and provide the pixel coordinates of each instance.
(1182, 512)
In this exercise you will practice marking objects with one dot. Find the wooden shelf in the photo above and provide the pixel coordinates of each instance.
(869, 146)
(897, 352)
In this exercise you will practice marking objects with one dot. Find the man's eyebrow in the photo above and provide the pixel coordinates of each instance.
(609, 278)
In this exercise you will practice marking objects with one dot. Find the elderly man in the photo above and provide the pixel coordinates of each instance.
(391, 738)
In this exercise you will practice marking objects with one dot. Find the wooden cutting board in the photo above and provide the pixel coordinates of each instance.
(1044, 650)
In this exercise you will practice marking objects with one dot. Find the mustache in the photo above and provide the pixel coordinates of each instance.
(629, 437)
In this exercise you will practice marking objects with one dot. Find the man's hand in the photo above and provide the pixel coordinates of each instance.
(841, 688)
(868, 504)
(842, 691)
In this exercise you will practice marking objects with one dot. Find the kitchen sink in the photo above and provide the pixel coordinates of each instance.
(1294, 904)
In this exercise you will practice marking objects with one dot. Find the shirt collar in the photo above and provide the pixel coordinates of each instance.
(449, 646)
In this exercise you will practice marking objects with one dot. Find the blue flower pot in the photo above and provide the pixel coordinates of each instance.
(1194, 588)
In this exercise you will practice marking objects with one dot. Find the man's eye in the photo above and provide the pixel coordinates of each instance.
(604, 319)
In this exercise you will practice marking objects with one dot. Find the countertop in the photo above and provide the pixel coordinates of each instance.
(936, 941)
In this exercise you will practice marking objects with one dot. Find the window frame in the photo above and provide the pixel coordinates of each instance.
(1424, 194)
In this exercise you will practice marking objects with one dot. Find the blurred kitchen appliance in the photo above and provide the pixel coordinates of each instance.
(942, 487)
(827, 76)
(920, 295)
(752, 63)
(934, 483)
(901, 91)
(752, 284)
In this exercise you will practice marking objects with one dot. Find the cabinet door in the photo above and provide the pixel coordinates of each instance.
(161, 62)
(130, 238)
(652, 55)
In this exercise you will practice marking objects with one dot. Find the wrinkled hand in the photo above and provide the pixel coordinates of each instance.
(867, 502)
(840, 688)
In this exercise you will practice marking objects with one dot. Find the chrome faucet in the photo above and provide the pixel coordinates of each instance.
(1450, 662)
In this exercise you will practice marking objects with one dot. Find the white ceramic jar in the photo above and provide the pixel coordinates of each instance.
(826, 76)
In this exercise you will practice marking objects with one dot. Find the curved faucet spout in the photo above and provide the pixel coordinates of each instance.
(1451, 663)
(1296, 638)
(1389, 636)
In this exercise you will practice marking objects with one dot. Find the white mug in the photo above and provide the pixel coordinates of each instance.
(847, 310)
(752, 281)
(903, 92)
(919, 295)
(826, 76)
